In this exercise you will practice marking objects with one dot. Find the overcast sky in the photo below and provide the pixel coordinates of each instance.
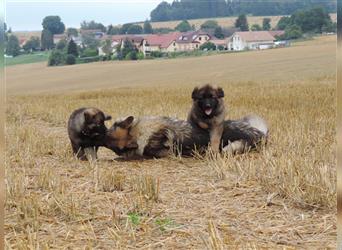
(22, 15)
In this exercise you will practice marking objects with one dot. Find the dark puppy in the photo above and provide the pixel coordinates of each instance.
(208, 112)
(87, 131)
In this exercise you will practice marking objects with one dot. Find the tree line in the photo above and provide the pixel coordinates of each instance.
(192, 9)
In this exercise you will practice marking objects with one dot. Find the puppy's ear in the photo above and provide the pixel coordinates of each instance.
(88, 117)
(220, 93)
(108, 117)
(126, 123)
(194, 94)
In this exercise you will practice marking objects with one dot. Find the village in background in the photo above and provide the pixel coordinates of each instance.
(94, 41)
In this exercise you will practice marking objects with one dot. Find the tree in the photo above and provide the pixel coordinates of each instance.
(219, 32)
(135, 29)
(163, 12)
(47, 40)
(12, 47)
(256, 27)
(72, 32)
(111, 30)
(53, 24)
(190, 9)
(293, 32)
(183, 26)
(311, 20)
(266, 23)
(92, 25)
(147, 27)
(33, 44)
(5, 27)
(72, 48)
(124, 28)
(127, 48)
(209, 24)
(283, 22)
(242, 23)
(208, 46)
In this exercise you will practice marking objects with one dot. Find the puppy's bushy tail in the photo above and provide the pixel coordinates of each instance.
(257, 122)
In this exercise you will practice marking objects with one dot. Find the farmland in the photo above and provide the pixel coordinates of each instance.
(282, 196)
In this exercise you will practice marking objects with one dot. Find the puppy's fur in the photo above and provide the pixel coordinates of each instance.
(240, 136)
(87, 131)
(208, 112)
(146, 137)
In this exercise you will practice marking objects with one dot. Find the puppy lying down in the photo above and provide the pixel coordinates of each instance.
(156, 137)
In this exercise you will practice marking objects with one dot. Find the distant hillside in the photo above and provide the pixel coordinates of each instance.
(226, 22)
(190, 9)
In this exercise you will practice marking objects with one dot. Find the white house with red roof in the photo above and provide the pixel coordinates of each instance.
(252, 40)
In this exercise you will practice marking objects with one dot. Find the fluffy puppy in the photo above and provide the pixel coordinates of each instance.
(208, 112)
(86, 130)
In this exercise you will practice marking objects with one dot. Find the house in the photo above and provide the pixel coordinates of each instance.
(192, 40)
(59, 37)
(223, 43)
(160, 42)
(252, 40)
(136, 40)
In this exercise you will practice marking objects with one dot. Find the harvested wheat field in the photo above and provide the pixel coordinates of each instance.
(282, 196)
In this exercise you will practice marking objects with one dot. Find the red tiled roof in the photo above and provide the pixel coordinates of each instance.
(133, 38)
(162, 40)
(277, 32)
(255, 36)
(189, 37)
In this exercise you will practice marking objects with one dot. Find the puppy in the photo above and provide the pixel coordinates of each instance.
(147, 136)
(208, 112)
(87, 131)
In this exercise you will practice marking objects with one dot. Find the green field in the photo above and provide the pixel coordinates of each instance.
(28, 58)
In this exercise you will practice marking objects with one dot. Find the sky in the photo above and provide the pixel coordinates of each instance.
(27, 15)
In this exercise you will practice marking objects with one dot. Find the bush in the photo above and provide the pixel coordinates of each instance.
(208, 46)
(70, 59)
(140, 56)
(156, 54)
(220, 47)
(133, 55)
(88, 52)
(56, 58)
